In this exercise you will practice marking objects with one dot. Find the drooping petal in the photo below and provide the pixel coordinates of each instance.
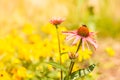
(92, 34)
(70, 37)
(76, 40)
(83, 44)
(68, 33)
(87, 46)
(91, 41)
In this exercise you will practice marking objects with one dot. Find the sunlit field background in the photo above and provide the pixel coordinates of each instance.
(28, 40)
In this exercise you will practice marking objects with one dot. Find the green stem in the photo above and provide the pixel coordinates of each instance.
(71, 67)
(80, 43)
(61, 73)
(73, 61)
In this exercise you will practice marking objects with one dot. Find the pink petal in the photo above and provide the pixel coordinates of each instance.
(70, 37)
(92, 42)
(75, 41)
(87, 46)
(71, 32)
(92, 33)
(83, 44)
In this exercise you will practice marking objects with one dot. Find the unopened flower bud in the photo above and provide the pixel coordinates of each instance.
(72, 55)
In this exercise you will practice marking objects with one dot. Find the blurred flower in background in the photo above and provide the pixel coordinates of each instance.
(56, 21)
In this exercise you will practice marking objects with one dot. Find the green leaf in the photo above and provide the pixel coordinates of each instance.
(80, 73)
(63, 53)
(57, 65)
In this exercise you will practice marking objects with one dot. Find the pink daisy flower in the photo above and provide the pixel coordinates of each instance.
(56, 21)
(83, 34)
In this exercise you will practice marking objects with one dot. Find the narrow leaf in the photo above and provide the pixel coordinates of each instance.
(57, 65)
(63, 53)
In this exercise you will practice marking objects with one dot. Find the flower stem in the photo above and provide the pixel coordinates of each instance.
(71, 67)
(61, 72)
(79, 46)
(73, 61)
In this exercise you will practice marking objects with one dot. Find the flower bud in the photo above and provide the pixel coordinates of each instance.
(72, 55)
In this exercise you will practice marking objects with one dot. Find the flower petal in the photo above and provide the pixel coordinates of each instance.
(75, 41)
(83, 44)
(87, 45)
(92, 42)
(68, 33)
(92, 33)
(70, 37)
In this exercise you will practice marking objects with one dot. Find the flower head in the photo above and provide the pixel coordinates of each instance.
(56, 21)
(83, 31)
(83, 34)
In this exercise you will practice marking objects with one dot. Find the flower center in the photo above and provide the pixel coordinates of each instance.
(83, 31)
